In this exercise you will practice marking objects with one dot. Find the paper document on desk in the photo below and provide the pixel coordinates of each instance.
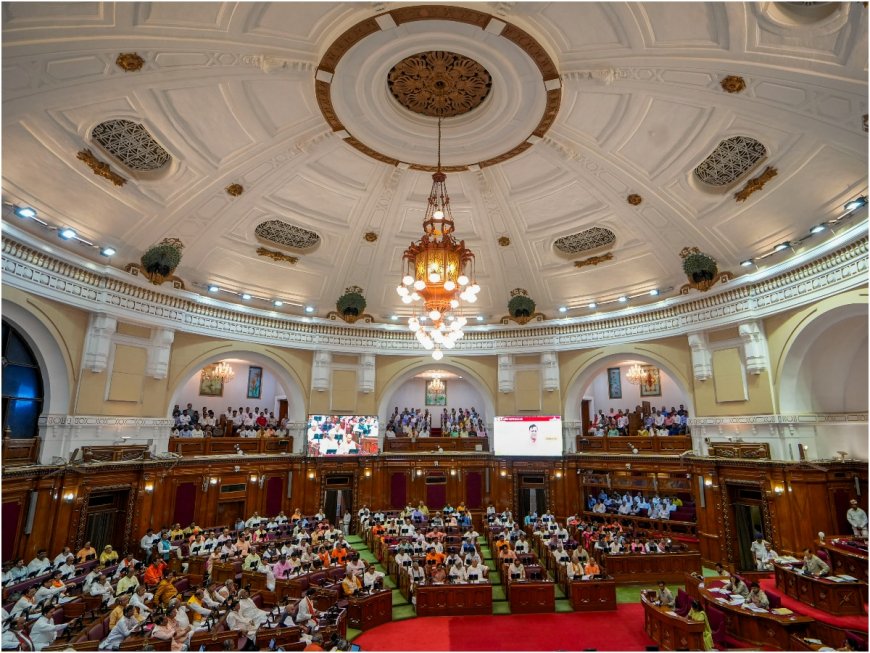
(754, 608)
(786, 560)
(736, 599)
(783, 612)
(672, 613)
(851, 579)
(838, 579)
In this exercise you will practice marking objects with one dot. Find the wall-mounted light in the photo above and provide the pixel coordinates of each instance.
(778, 488)
(453, 472)
(252, 478)
(419, 472)
(68, 497)
(708, 482)
(367, 473)
(503, 473)
(311, 475)
(149, 487)
(213, 480)
(559, 474)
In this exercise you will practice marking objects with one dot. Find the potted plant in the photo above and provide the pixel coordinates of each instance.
(699, 267)
(521, 305)
(352, 303)
(160, 260)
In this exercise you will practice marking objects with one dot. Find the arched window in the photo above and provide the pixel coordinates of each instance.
(22, 386)
(731, 159)
(131, 144)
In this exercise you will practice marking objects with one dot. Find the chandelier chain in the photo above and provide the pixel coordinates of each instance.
(439, 143)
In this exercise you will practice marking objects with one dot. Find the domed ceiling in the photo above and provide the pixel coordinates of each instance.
(290, 146)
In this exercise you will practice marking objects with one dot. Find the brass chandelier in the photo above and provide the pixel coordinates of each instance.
(222, 371)
(436, 384)
(636, 375)
(438, 273)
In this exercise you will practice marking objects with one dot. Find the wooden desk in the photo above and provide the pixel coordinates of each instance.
(847, 560)
(364, 612)
(761, 628)
(453, 600)
(588, 595)
(651, 567)
(531, 596)
(668, 629)
(822, 593)
(405, 444)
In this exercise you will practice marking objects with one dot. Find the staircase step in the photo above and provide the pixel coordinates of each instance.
(502, 607)
(404, 612)
(563, 605)
(498, 593)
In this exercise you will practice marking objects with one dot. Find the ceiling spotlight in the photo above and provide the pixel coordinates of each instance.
(782, 246)
(24, 212)
(66, 233)
(480, 318)
(394, 317)
(563, 309)
(654, 292)
(278, 302)
(747, 263)
(213, 288)
(108, 251)
(593, 305)
(819, 228)
(856, 203)
(245, 295)
(623, 299)
(309, 309)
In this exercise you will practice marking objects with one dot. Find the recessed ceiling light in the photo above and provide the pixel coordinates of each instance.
(593, 305)
(278, 302)
(563, 309)
(819, 228)
(108, 251)
(782, 246)
(746, 263)
(856, 203)
(309, 309)
(213, 288)
(66, 233)
(394, 317)
(623, 299)
(245, 295)
(654, 292)
(480, 318)
(24, 212)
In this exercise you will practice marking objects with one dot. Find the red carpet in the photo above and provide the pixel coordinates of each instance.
(854, 622)
(621, 630)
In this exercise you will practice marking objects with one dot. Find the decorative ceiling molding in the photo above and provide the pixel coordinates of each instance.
(31, 270)
(732, 158)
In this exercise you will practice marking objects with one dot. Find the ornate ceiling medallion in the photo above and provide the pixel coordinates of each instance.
(100, 168)
(129, 62)
(634, 199)
(439, 84)
(733, 84)
(234, 190)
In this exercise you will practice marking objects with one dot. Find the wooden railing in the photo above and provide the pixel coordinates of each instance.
(115, 453)
(229, 446)
(655, 527)
(653, 444)
(21, 451)
(400, 444)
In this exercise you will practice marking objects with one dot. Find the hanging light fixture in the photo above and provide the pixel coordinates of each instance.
(438, 273)
(221, 371)
(436, 385)
(637, 375)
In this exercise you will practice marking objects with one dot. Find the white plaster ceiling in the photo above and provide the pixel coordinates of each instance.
(641, 107)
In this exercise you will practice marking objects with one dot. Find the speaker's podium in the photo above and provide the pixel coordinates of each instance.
(369, 610)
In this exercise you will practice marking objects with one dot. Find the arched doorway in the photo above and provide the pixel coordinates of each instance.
(276, 384)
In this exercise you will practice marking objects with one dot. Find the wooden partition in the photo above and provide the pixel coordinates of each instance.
(21, 451)
(409, 445)
(669, 630)
(651, 567)
(229, 446)
(667, 444)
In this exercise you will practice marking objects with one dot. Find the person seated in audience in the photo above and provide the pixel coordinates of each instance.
(516, 571)
(210, 597)
(476, 572)
(117, 613)
(249, 609)
(15, 635)
(166, 590)
(127, 561)
(338, 555)
(600, 507)
(17, 572)
(307, 614)
(575, 570)
(434, 557)
(252, 560)
(101, 587)
(664, 596)
(68, 568)
(580, 554)
(351, 583)
(61, 557)
(592, 568)
(757, 597)
(87, 552)
(506, 554)
(522, 544)
(814, 565)
(128, 582)
(177, 621)
(139, 600)
(721, 571)
(109, 556)
(44, 631)
(48, 591)
(372, 578)
(737, 586)
(26, 603)
(698, 614)
(357, 567)
(438, 574)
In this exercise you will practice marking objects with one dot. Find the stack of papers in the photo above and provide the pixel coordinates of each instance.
(736, 599)
(812, 640)
(851, 579)
(753, 608)
(786, 560)
(783, 612)
(838, 579)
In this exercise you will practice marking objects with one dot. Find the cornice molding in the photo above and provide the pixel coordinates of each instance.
(801, 419)
(840, 265)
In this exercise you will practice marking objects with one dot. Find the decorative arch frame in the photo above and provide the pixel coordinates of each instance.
(584, 375)
(455, 365)
(828, 313)
(52, 356)
(287, 377)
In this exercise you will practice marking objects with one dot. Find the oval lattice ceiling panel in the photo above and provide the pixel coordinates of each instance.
(584, 241)
(286, 234)
(131, 144)
(731, 159)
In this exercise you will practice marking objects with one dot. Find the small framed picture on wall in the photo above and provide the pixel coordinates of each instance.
(255, 382)
(614, 383)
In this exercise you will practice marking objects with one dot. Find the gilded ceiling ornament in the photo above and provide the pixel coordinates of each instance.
(100, 168)
(634, 199)
(234, 190)
(756, 183)
(733, 84)
(864, 122)
(370, 236)
(439, 84)
(129, 62)
(504, 241)
(277, 256)
(594, 260)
